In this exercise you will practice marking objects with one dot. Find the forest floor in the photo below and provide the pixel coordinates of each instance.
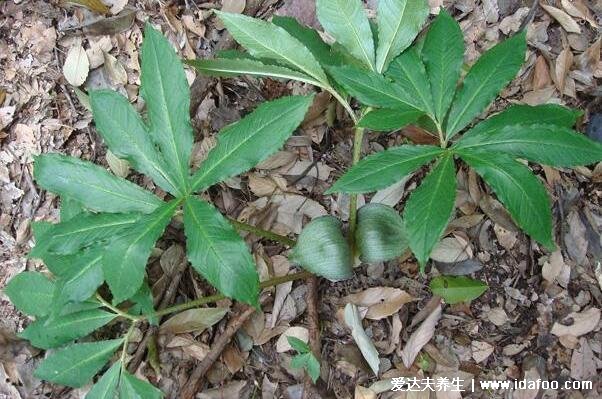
(540, 319)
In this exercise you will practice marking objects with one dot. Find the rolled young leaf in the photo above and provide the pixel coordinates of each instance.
(380, 233)
(545, 144)
(31, 293)
(518, 189)
(487, 77)
(348, 23)
(165, 91)
(429, 209)
(323, 250)
(125, 263)
(456, 289)
(91, 185)
(218, 253)
(251, 140)
(127, 137)
(443, 55)
(384, 168)
(399, 22)
(76, 364)
(386, 120)
(265, 40)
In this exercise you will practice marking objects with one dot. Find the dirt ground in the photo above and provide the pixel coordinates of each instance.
(540, 319)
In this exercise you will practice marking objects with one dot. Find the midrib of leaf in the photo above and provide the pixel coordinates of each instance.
(474, 95)
(441, 85)
(562, 146)
(281, 55)
(432, 199)
(68, 323)
(172, 139)
(124, 221)
(357, 38)
(379, 68)
(420, 92)
(389, 95)
(229, 153)
(76, 365)
(84, 269)
(276, 75)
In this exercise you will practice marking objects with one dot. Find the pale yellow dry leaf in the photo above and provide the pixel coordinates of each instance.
(118, 166)
(541, 74)
(564, 62)
(578, 9)
(583, 362)
(380, 301)
(481, 350)
(94, 5)
(564, 19)
(363, 393)
(76, 65)
(193, 26)
(301, 333)
(420, 337)
(115, 70)
(582, 323)
(452, 249)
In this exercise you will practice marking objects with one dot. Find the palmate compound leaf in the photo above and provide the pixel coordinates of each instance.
(546, 144)
(167, 97)
(380, 233)
(399, 22)
(76, 364)
(31, 293)
(91, 185)
(218, 253)
(127, 137)
(45, 334)
(323, 250)
(386, 120)
(518, 189)
(384, 168)
(348, 23)
(487, 77)
(430, 207)
(124, 263)
(456, 289)
(443, 55)
(251, 140)
(264, 40)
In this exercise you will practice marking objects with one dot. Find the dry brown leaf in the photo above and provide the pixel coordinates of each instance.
(497, 316)
(193, 320)
(452, 249)
(391, 195)
(94, 5)
(233, 359)
(230, 390)
(582, 323)
(76, 65)
(282, 344)
(364, 343)
(575, 239)
(583, 362)
(590, 59)
(380, 301)
(363, 393)
(564, 62)
(118, 166)
(556, 270)
(278, 160)
(578, 9)
(563, 18)
(481, 350)
(541, 74)
(420, 337)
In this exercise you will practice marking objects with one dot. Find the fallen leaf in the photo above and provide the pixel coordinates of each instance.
(363, 393)
(564, 62)
(582, 323)
(481, 350)
(583, 362)
(563, 18)
(451, 249)
(541, 74)
(112, 25)
(463, 268)
(94, 5)
(366, 346)
(392, 194)
(497, 316)
(115, 70)
(76, 65)
(575, 239)
(577, 9)
(282, 344)
(118, 166)
(230, 390)
(420, 337)
(191, 320)
(380, 301)
(268, 388)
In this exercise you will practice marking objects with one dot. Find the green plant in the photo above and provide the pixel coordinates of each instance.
(285, 49)
(305, 359)
(109, 225)
(421, 87)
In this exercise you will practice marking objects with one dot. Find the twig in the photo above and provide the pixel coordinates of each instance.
(530, 15)
(313, 325)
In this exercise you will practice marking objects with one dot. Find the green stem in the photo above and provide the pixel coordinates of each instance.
(115, 309)
(218, 297)
(263, 233)
(358, 139)
(126, 340)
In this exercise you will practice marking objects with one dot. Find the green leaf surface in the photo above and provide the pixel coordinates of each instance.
(380, 233)
(456, 289)
(31, 293)
(443, 55)
(384, 168)
(308, 362)
(429, 209)
(348, 23)
(70, 209)
(399, 22)
(60, 330)
(144, 304)
(545, 144)
(386, 120)
(323, 250)
(411, 81)
(127, 137)
(310, 38)
(124, 264)
(106, 386)
(251, 140)
(487, 77)
(91, 185)
(165, 90)
(235, 67)
(518, 189)
(370, 88)
(76, 364)
(218, 253)
(80, 277)
(265, 40)
(298, 345)
(518, 114)
(77, 233)
(131, 387)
